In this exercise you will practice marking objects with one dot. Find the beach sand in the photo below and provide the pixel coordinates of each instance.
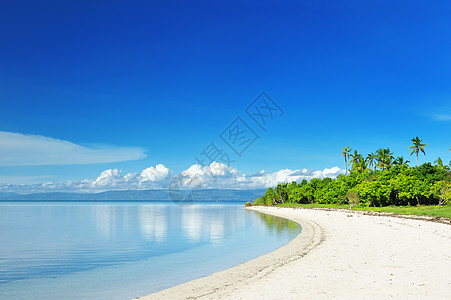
(343, 255)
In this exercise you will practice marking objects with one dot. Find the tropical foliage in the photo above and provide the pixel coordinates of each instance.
(379, 179)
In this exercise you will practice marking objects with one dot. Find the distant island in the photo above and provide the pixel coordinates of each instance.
(215, 195)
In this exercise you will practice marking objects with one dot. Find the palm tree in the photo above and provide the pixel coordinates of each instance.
(389, 161)
(356, 157)
(380, 157)
(417, 147)
(362, 164)
(371, 159)
(440, 165)
(384, 158)
(346, 156)
(400, 161)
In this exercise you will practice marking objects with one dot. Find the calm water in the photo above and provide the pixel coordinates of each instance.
(125, 250)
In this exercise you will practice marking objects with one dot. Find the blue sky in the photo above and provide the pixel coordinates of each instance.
(143, 83)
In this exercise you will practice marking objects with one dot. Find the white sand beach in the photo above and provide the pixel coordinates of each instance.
(343, 255)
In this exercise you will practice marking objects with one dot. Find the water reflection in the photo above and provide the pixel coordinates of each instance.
(196, 223)
(217, 231)
(278, 225)
(192, 222)
(103, 222)
(94, 247)
(153, 223)
(199, 224)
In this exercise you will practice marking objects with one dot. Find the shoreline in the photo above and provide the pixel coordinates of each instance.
(337, 254)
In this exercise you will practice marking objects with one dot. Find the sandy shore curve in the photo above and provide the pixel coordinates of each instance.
(338, 255)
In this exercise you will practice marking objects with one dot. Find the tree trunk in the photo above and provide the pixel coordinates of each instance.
(281, 199)
(346, 165)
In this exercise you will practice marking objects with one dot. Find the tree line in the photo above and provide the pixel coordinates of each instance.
(379, 179)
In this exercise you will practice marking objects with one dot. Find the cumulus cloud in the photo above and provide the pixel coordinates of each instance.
(150, 178)
(109, 177)
(18, 149)
(157, 173)
(216, 175)
(219, 175)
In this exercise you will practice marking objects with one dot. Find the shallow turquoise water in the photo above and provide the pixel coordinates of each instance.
(125, 250)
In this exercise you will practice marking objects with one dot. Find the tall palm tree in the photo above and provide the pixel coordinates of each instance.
(371, 157)
(346, 156)
(417, 147)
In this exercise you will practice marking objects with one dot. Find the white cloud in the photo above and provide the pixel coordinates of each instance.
(442, 117)
(194, 170)
(150, 178)
(109, 177)
(216, 175)
(333, 172)
(440, 111)
(265, 180)
(18, 149)
(157, 173)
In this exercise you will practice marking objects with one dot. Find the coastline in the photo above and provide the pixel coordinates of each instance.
(337, 254)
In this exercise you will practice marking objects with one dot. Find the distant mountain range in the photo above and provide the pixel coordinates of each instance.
(216, 195)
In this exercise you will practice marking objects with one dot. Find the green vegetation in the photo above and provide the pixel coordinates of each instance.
(391, 186)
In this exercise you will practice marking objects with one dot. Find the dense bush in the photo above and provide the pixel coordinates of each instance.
(394, 185)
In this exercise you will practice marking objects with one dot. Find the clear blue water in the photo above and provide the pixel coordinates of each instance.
(125, 250)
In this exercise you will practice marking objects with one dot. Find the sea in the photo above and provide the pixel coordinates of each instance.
(124, 250)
